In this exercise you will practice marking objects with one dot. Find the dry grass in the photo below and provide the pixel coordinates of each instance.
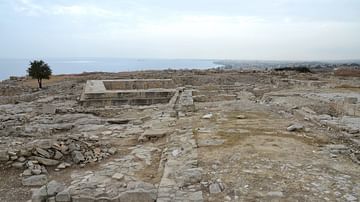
(347, 86)
(347, 72)
(46, 82)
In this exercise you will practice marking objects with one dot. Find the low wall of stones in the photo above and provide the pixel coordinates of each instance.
(138, 84)
(100, 93)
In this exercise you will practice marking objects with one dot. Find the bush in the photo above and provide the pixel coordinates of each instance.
(297, 69)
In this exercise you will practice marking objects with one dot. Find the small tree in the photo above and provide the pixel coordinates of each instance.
(39, 70)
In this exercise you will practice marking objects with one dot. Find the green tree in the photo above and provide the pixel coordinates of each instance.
(39, 70)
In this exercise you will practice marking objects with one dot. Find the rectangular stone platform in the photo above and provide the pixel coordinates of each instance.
(100, 93)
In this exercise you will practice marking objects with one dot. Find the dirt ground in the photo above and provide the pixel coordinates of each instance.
(260, 161)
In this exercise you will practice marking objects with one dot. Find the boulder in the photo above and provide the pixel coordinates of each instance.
(18, 165)
(39, 195)
(47, 191)
(63, 196)
(112, 150)
(54, 187)
(295, 127)
(36, 180)
(27, 172)
(45, 161)
(36, 171)
(77, 156)
(214, 188)
(118, 176)
(43, 153)
(58, 155)
(63, 165)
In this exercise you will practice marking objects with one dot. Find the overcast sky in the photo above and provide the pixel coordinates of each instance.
(212, 29)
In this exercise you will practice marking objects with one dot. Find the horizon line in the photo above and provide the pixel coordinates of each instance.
(158, 58)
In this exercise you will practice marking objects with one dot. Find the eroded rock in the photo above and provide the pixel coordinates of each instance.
(36, 180)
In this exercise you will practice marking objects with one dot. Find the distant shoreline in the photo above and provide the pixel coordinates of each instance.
(17, 67)
(74, 66)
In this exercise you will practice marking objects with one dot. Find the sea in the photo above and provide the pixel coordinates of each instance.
(18, 67)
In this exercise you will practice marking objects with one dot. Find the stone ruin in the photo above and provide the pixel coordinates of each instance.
(170, 151)
(101, 93)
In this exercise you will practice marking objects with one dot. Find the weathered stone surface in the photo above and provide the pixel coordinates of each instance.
(82, 199)
(39, 195)
(237, 151)
(63, 196)
(27, 172)
(190, 176)
(186, 102)
(112, 150)
(210, 142)
(63, 165)
(153, 133)
(54, 188)
(4, 155)
(275, 194)
(295, 127)
(47, 192)
(58, 155)
(351, 100)
(138, 196)
(48, 109)
(207, 116)
(36, 180)
(118, 176)
(77, 156)
(350, 197)
(18, 165)
(128, 92)
(45, 161)
(51, 199)
(42, 143)
(36, 171)
(43, 153)
(214, 188)
(196, 196)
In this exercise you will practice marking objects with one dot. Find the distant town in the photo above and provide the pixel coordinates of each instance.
(314, 66)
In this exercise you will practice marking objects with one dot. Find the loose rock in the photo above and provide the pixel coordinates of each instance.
(214, 188)
(77, 156)
(295, 127)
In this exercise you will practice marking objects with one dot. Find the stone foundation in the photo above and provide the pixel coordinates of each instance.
(100, 93)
